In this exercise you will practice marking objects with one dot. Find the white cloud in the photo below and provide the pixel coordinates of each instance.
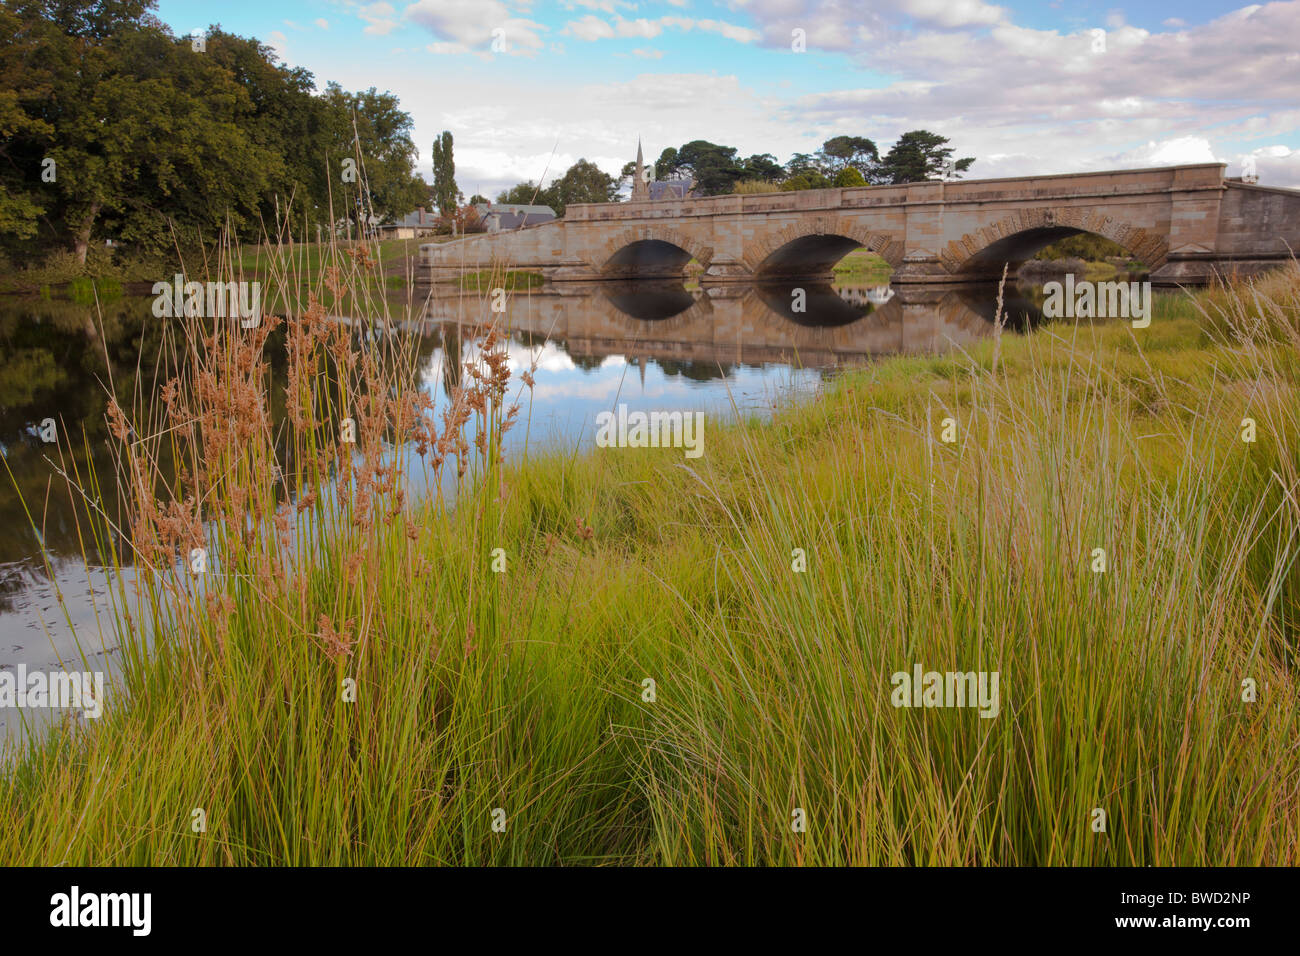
(649, 29)
(472, 24)
(604, 6)
(954, 13)
(590, 28)
(729, 30)
(1170, 152)
(647, 54)
(379, 17)
(322, 23)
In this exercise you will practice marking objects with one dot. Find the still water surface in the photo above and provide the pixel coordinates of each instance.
(650, 346)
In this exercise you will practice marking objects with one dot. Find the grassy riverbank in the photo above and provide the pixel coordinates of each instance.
(517, 679)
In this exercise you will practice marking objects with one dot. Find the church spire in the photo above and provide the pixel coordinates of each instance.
(640, 188)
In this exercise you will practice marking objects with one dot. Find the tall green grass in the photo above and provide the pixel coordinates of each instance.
(525, 689)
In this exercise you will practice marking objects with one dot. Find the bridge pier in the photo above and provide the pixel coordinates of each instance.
(725, 272)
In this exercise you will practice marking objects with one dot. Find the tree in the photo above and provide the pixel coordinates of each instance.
(801, 163)
(21, 204)
(582, 182)
(848, 152)
(111, 126)
(762, 166)
(525, 194)
(445, 192)
(811, 179)
(370, 129)
(140, 134)
(849, 176)
(286, 118)
(714, 168)
(667, 165)
(478, 199)
(917, 156)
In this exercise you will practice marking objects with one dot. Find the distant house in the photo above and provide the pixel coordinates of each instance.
(411, 226)
(502, 217)
(670, 189)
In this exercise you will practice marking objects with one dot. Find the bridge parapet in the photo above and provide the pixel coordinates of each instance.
(1062, 186)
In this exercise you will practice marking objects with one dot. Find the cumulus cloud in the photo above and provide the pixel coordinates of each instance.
(590, 28)
(1171, 152)
(954, 13)
(469, 25)
(381, 18)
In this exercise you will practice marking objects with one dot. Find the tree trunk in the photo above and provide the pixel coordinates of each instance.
(83, 233)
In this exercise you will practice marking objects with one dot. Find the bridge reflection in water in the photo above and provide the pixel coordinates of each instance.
(807, 325)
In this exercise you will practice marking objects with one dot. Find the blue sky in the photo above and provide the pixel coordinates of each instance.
(1024, 87)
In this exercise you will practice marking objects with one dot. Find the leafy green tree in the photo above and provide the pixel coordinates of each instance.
(714, 168)
(478, 199)
(667, 165)
(811, 179)
(801, 163)
(848, 152)
(525, 194)
(162, 142)
(626, 173)
(20, 203)
(370, 128)
(917, 156)
(111, 126)
(848, 176)
(446, 194)
(582, 182)
(762, 166)
(146, 138)
(287, 119)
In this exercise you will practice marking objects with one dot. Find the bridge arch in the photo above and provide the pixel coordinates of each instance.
(650, 251)
(811, 246)
(1015, 238)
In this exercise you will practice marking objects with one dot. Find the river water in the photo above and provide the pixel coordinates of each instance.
(648, 345)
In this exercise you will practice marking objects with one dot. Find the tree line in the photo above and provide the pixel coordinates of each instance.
(112, 128)
(916, 156)
(717, 170)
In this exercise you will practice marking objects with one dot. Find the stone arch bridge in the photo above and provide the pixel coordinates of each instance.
(1186, 223)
